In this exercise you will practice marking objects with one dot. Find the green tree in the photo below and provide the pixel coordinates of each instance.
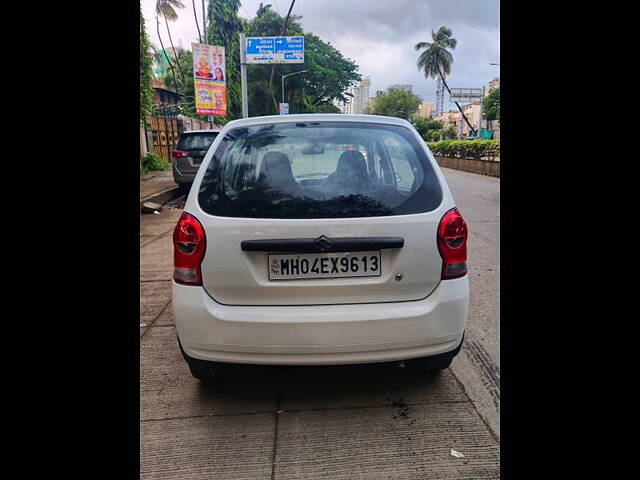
(167, 9)
(491, 106)
(395, 102)
(329, 74)
(224, 26)
(187, 102)
(425, 125)
(146, 73)
(195, 15)
(433, 135)
(450, 132)
(436, 60)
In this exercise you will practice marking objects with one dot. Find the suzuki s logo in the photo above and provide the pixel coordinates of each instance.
(323, 243)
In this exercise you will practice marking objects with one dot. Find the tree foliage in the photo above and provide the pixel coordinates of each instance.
(450, 133)
(329, 76)
(329, 73)
(436, 60)
(146, 73)
(491, 106)
(167, 9)
(187, 103)
(425, 125)
(396, 102)
(433, 135)
(223, 27)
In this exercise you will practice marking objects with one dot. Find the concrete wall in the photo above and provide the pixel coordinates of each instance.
(483, 167)
(189, 123)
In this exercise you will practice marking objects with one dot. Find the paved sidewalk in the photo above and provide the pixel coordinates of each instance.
(156, 182)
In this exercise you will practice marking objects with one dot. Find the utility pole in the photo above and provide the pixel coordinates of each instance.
(288, 75)
(206, 42)
(243, 75)
(481, 108)
(273, 67)
(204, 24)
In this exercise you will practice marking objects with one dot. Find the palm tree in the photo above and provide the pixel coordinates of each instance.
(436, 60)
(195, 14)
(167, 8)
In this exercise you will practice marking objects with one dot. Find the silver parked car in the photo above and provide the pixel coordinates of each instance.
(190, 150)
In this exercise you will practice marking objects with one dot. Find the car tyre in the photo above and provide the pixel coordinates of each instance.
(436, 363)
(200, 369)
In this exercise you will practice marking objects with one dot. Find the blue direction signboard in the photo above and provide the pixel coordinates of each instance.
(275, 49)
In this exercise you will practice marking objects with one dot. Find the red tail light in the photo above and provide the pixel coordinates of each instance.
(179, 154)
(452, 244)
(189, 244)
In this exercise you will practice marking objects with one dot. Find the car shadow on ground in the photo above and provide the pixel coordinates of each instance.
(344, 386)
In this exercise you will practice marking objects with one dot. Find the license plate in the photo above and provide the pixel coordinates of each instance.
(324, 265)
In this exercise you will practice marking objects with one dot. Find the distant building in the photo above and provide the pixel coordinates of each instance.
(342, 106)
(426, 109)
(358, 100)
(361, 96)
(347, 105)
(495, 83)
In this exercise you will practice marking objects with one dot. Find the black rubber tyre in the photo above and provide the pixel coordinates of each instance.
(200, 369)
(436, 362)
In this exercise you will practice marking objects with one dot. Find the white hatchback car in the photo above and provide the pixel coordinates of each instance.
(319, 239)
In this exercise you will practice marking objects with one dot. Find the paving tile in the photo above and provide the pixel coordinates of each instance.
(153, 298)
(206, 448)
(166, 317)
(369, 443)
(168, 390)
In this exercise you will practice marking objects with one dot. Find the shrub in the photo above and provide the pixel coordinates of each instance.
(450, 132)
(425, 126)
(152, 162)
(474, 149)
(433, 135)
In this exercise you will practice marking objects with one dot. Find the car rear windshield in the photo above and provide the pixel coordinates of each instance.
(319, 170)
(196, 141)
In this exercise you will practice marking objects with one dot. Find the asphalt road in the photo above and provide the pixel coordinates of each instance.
(367, 422)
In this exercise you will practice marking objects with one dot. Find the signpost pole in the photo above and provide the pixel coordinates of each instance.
(243, 75)
(481, 106)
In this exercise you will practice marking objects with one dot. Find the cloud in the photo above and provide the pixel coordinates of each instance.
(379, 36)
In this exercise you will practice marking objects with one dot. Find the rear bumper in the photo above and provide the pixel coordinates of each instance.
(183, 176)
(321, 334)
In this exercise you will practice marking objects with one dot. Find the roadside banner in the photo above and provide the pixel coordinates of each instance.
(209, 79)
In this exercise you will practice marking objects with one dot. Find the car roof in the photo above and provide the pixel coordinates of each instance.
(214, 130)
(317, 117)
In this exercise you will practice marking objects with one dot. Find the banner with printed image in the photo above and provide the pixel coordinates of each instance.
(210, 79)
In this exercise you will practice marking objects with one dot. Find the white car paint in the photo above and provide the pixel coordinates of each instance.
(239, 316)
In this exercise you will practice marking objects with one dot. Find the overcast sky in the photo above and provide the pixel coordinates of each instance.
(379, 35)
